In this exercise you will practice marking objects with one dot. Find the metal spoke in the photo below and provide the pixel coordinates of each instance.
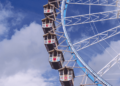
(109, 65)
(94, 17)
(91, 74)
(97, 38)
(63, 44)
(96, 2)
(80, 76)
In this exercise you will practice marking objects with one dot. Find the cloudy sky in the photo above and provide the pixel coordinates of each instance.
(23, 57)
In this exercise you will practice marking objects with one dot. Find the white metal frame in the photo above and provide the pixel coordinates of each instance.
(94, 17)
(109, 65)
(96, 2)
(92, 75)
(97, 38)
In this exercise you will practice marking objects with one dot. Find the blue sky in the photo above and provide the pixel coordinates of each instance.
(24, 59)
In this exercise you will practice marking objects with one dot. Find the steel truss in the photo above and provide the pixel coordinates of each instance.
(77, 59)
(85, 68)
(94, 17)
(109, 65)
(96, 2)
(97, 38)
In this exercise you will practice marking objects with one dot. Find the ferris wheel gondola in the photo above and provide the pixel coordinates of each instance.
(51, 40)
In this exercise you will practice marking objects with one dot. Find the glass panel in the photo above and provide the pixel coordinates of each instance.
(48, 7)
(55, 53)
(50, 54)
(45, 8)
(43, 22)
(65, 71)
(59, 54)
(51, 7)
(45, 37)
(70, 72)
(49, 36)
(50, 21)
(52, 37)
(47, 21)
(54, 44)
(61, 72)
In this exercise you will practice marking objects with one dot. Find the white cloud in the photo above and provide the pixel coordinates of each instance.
(23, 58)
(8, 18)
(18, 17)
(99, 61)
(24, 51)
(28, 78)
(83, 36)
(5, 11)
(3, 29)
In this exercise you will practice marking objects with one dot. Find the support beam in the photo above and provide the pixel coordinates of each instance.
(96, 2)
(94, 17)
(109, 65)
(91, 74)
(97, 38)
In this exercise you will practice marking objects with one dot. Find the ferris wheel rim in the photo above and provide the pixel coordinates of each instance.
(64, 6)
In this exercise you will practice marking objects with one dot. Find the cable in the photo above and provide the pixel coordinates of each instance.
(96, 29)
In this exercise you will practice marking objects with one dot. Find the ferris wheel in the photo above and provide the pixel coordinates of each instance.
(74, 31)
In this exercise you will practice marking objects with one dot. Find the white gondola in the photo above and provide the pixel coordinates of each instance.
(50, 11)
(55, 2)
(50, 41)
(66, 76)
(48, 25)
(56, 58)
